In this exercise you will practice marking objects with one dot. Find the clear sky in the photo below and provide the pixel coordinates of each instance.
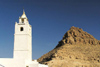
(50, 20)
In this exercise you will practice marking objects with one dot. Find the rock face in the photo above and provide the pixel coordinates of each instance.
(78, 36)
(76, 49)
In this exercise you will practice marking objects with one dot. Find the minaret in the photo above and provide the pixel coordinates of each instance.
(23, 39)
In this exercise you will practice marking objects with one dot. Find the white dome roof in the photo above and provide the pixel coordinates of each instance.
(23, 15)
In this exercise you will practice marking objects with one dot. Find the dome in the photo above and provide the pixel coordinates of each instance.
(23, 15)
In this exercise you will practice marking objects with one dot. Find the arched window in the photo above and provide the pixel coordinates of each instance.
(21, 29)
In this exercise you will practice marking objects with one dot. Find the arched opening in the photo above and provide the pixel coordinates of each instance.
(21, 29)
(22, 20)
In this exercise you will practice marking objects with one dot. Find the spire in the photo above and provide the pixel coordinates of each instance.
(23, 18)
(23, 15)
(23, 11)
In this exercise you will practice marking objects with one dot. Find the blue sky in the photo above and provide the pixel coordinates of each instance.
(50, 20)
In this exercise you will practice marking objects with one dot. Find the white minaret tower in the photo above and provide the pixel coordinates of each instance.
(23, 39)
(22, 46)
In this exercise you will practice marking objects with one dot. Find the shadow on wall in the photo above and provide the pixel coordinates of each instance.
(1, 65)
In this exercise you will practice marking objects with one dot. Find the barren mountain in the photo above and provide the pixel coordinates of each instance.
(76, 49)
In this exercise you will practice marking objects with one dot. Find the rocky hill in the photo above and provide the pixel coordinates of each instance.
(76, 49)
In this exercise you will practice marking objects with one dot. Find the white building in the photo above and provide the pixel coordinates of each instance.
(22, 56)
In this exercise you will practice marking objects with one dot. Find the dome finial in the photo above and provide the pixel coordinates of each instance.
(23, 11)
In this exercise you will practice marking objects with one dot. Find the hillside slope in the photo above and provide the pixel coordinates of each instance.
(76, 49)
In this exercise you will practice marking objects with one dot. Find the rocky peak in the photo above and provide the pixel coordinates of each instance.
(76, 49)
(76, 36)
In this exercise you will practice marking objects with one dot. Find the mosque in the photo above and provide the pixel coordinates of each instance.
(22, 54)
